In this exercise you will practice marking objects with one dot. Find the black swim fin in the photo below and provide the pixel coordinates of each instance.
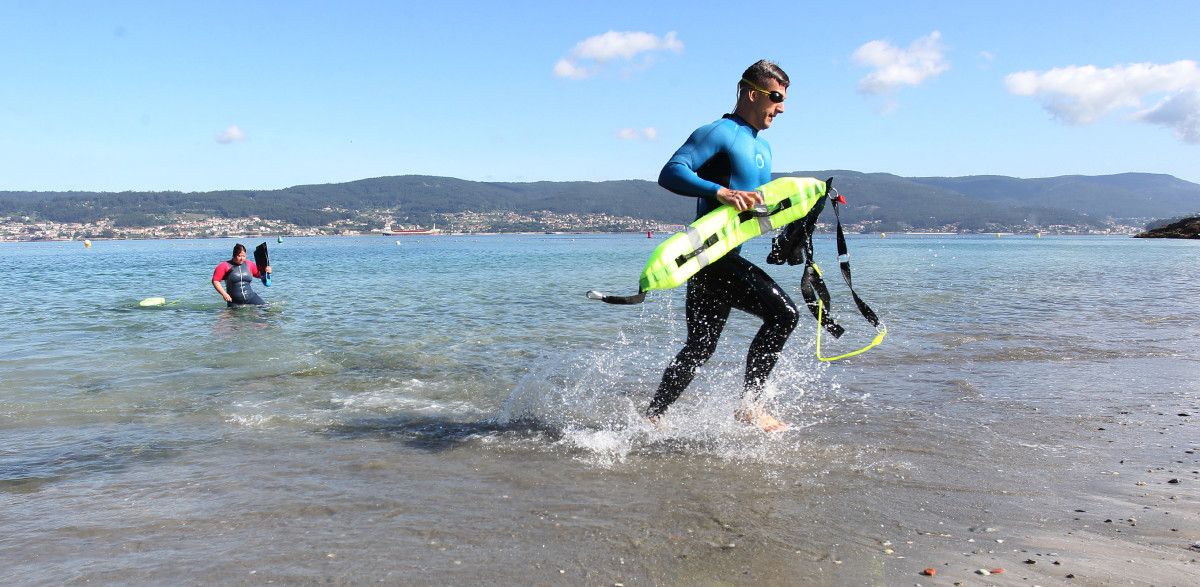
(262, 260)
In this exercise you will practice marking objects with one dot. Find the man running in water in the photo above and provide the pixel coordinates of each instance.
(722, 163)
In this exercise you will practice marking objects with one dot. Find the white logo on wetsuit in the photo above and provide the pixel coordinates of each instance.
(758, 159)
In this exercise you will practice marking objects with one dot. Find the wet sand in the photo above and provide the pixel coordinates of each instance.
(398, 505)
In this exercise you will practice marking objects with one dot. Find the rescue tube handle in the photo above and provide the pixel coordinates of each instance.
(619, 300)
(758, 211)
(708, 242)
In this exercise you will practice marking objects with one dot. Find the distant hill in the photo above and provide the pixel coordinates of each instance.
(890, 201)
(1127, 195)
(902, 203)
(415, 197)
(1184, 228)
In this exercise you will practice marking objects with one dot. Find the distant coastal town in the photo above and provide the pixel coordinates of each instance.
(189, 225)
(18, 229)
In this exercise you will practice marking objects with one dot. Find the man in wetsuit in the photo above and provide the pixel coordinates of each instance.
(722, 163)
(237, 273)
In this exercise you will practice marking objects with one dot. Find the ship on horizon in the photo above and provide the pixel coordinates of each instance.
(412, 231)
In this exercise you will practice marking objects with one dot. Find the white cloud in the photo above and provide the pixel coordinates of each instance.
(632, 134)
(232, 134)
(896, 67)
(565, 68)
(587, 57)
(1083, 94)
(1080, 95)
(1180, 112)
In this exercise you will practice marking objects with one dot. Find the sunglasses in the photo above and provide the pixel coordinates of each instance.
(775, 97)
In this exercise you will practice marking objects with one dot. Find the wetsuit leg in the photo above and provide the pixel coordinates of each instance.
(707, 310)
(764, 298)
(732, 282)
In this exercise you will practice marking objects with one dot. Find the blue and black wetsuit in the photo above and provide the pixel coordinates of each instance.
(725, 153)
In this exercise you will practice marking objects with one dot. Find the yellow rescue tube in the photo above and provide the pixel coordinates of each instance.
(710, 237)
(713, 235)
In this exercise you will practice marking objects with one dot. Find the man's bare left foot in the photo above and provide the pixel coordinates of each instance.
(658, 422)
(759, 417)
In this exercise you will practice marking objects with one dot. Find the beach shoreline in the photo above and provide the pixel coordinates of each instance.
(1114, 517)
(428, 431)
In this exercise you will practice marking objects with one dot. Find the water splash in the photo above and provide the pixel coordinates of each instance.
(593, 400)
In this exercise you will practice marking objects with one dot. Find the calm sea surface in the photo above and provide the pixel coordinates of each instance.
(453, 410)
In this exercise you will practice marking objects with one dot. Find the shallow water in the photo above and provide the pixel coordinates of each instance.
(452, 410)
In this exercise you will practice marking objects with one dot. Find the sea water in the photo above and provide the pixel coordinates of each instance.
(453, 410)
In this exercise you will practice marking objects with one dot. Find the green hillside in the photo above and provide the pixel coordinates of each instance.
(890, 201)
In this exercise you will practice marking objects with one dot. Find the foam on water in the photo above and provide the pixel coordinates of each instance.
(593, 400)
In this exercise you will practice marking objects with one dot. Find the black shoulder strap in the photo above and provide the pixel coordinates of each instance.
(812, 287)
(844, 263)
(794, 246)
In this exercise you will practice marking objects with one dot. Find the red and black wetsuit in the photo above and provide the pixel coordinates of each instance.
(237, 280)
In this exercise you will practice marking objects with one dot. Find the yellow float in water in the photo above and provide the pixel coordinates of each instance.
(87, 244)
(148, 302)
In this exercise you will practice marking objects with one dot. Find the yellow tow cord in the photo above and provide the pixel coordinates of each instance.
(882, 332)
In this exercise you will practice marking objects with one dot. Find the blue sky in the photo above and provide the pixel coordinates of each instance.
(210, 95)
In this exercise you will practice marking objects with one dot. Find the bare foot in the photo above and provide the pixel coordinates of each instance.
(658, 422)
(759, 417)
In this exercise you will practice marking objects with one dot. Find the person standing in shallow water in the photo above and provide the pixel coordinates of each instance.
(722, 163)
(237, 273)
